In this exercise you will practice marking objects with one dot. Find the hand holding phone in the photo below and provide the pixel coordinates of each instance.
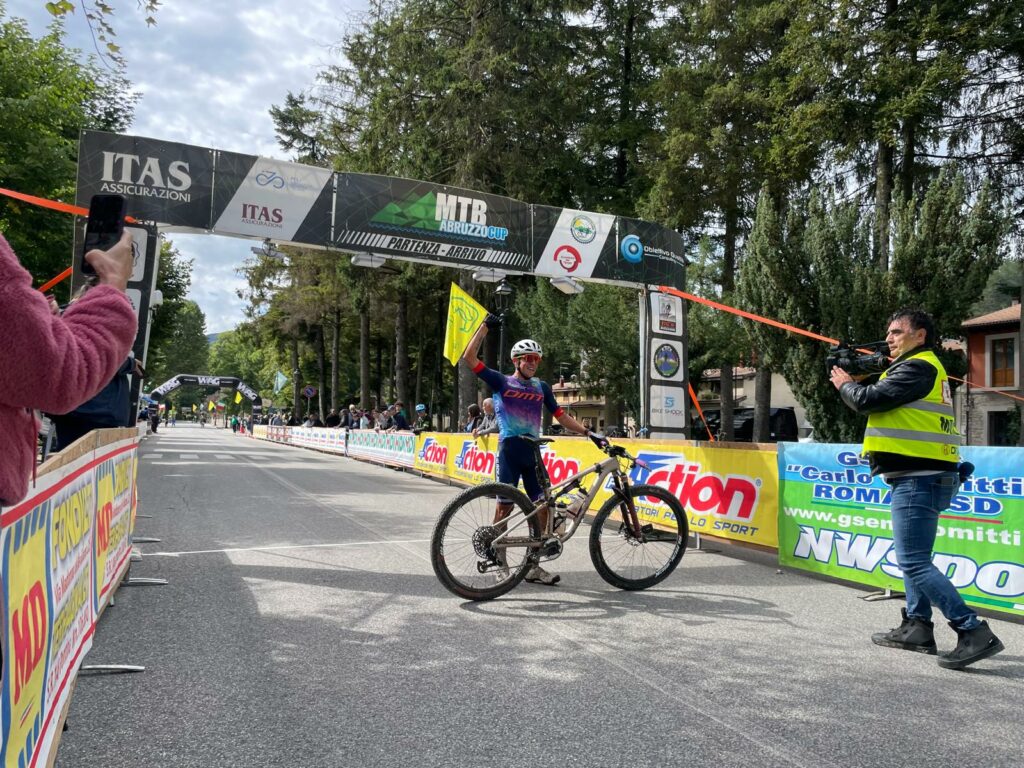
(104, 227)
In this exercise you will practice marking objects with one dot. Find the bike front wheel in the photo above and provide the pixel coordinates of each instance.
(628, 561)
(463, 553)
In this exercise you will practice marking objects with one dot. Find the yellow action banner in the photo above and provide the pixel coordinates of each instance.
(464, 317)
(728, 492)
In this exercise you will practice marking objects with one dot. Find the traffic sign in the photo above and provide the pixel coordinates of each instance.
(309, 392)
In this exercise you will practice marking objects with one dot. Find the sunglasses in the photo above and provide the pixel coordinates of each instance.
(531, 359)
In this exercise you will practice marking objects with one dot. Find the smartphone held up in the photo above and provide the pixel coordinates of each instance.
(104, 227)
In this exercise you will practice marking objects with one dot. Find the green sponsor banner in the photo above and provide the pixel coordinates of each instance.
(834, 519)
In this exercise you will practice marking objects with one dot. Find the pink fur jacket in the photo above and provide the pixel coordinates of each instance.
(50, 363)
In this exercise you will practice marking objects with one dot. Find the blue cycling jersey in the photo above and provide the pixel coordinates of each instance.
(518, 402)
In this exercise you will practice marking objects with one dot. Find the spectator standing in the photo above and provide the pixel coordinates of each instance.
(489, 422)
(54, 362)
(474, 418)
(333, 419)
(110, 408)
(364, 421)
(398, 417)
(423, 422)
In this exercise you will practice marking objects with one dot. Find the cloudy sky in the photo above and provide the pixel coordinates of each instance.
(208, 73)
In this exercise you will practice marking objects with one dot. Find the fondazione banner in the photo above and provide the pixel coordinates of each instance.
(727, 492)
(61, 552)
(834, 519)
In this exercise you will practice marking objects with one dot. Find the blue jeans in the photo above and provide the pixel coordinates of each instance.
(915, 505)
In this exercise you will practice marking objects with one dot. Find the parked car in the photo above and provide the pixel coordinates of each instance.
(782, 425)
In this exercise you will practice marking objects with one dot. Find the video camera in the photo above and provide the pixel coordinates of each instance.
(851, 359)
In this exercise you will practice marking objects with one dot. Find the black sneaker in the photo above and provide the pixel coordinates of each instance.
(912, 635)
(972, 645)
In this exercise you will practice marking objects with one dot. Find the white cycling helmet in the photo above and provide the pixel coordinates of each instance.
(526, 347)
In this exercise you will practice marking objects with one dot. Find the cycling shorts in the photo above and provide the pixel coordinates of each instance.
(517, 461)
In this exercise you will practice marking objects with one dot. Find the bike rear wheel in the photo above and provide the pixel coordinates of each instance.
(630, 562)
(460, 550)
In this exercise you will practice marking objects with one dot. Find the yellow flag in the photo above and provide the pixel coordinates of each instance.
(211, 406)
(193, 407)
(464, 317)
(238, 397)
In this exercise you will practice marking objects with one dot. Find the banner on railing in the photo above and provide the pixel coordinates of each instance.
(728, 492)
(834, 519)
(63, 549)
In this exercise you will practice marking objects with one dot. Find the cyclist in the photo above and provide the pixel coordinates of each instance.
(518, 400)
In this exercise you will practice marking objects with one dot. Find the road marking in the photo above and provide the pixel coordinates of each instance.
(193, 456)
(224, 455)
(153, 456)
(283, 546)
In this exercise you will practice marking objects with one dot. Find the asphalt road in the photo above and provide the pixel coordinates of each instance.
(302, 626)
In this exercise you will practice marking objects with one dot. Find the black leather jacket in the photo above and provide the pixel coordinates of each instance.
(905, 382)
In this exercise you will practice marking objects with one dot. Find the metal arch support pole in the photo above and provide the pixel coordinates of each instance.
(145, 540)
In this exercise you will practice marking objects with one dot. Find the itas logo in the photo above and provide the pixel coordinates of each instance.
(472, 459)
(559, 470)
(703, 493)
(568, 258)
(441, 212)
(433, 452)
(271, 179)
(262, 216)
(145, 177)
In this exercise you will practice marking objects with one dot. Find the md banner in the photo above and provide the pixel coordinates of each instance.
(62, 552)
(834, 519)
(727, 492)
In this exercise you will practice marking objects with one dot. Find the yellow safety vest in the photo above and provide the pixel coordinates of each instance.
(924, 429)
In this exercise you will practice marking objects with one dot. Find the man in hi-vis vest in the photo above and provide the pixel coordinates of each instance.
(912, 441)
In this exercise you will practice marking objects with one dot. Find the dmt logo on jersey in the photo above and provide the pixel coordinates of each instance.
(472, 459)
(734, 496)
(433, 452)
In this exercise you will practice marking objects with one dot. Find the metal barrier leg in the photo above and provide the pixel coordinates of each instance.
(144, 540)
(142, 582)
(109, 669)
(885, 594)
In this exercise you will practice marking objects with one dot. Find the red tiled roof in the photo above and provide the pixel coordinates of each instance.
(1009, 314)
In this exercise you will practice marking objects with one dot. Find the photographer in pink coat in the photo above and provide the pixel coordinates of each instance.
(55, 362)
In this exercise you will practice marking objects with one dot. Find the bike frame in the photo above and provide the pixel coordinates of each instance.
(610, 466)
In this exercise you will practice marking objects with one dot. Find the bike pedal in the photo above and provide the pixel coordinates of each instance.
(550, 549)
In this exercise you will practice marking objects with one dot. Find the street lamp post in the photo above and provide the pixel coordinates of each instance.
(502, 303)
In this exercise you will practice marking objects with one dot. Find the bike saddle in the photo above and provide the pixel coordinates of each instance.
(537, 440)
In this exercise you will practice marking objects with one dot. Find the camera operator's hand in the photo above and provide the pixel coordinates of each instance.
(113, 267)
(598, 439)
(839, 377)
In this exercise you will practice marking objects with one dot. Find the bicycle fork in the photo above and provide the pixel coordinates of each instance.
(630, 518)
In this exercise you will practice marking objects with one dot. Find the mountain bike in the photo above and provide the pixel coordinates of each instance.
(488, 537)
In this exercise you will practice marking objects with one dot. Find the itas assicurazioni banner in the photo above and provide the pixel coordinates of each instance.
(834, 519)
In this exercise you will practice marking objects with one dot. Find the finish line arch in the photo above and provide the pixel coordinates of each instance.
(219, 382)
(196, 189)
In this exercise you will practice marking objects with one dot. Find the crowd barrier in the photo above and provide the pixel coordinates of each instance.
(816, 503)
(834, 519)
(64, 551)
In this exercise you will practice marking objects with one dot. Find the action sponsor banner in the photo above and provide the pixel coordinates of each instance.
(163, 181)
(834, 519)
(727, 492)
(397, 448)
(431, 222)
